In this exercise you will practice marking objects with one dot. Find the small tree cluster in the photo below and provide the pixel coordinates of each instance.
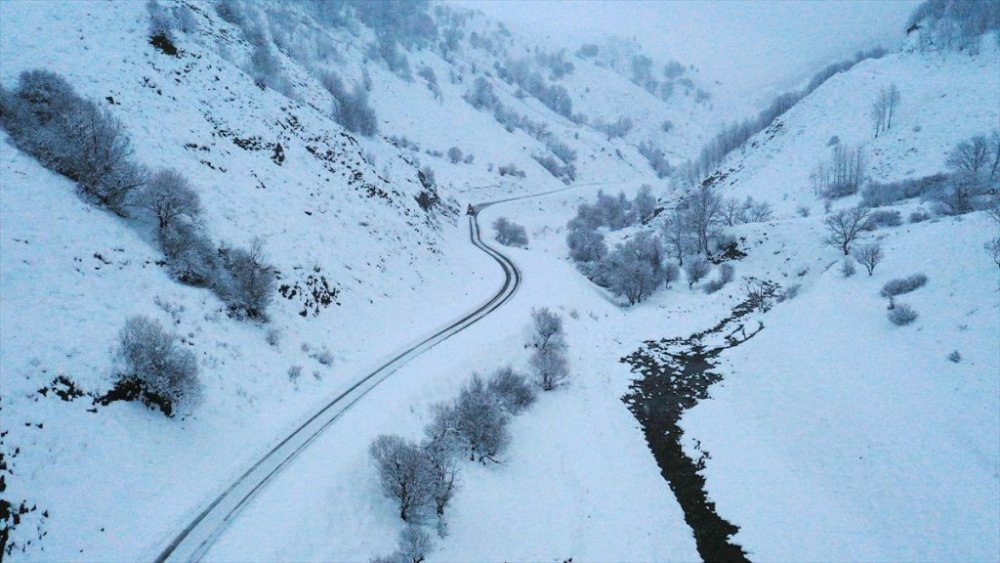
(734, 211)
(423, 477)
(975, 167)
(351, 109)
(657, 159)
(548, 361)
(842, 175)
(884, 108)
(157, 370)
(876, 194)
(73, 136)
(560, 170)
(615, 129)
(509, 233)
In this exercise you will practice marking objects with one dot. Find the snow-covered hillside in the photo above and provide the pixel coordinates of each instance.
(857, 438)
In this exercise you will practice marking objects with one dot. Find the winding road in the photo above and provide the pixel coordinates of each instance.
(197, 537)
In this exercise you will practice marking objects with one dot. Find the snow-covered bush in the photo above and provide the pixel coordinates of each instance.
(403, 474)
(565, 172)
(644, 203)
(161, 23)
(586, 245)
(955, 357)
(169, 197)
(618, 128)
(725, 276)
(733, 211)
(868, 255)
(455, 155)
(427, 73)
(74, 137)
(387, 49)
(876, 194)
(157, 370)
(899, 286)
(510, 170)
(511, 389)
(697, 269)
(248, 282)
(657, 159)
(883, 218)
(509, 233)
(351, 109)
(919, 216)
(482, 95)
(560, 149)
(847, 268)
(902, 315)
(191, 256)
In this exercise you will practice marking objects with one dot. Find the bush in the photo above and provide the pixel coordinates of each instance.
(883, 218)
(249, 283)
(169, 197)
(919, 216)
(586, 245)
(74, 137)
(876, 194)
(899, 286)
(657, 159)
(511, 389)
(565, 172)
(725, 276)
(847, 268)
(636, 268)
(902, 315)
(351, 109)
(510, 170)
(955, 357)
(455, 155)
(157, 370)
(191, 256)
(509, 233)
(696, 270)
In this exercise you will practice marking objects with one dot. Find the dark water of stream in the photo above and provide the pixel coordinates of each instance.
(676, 374)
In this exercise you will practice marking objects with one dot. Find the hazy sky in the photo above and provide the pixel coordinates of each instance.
(747, 45)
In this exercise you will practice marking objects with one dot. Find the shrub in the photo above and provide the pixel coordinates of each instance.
(955, 357)
(191, 256)
(876, 194)
(696, 270)
(883, 218)
(899, 286)
(510, 170)
(249, 283)
(511, 389)
(157, 371)
(168, 196)
(919, 216)
(902, 315)
(455, 155)
(657, 159)
(351, 109)
(586, 245)
(725, 276)
(565, 172)
(509, 233)
(847, 268)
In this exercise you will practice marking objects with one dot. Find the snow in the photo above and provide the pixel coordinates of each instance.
(834, 435)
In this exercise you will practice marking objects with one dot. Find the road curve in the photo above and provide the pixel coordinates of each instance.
(197, 537)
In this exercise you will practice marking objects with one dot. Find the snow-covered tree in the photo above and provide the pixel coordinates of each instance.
(169, 196)
(868, 255)
(509, 233)
(844, 226)
(156, 368)
(403, 473)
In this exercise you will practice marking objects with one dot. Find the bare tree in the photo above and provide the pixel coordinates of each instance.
(250, 284)
(892, 102)
(868, 255)
(844, 227)
(992, 248)
(696, 270)
(971, 158)
(702, 210)
(480, 422)
(168, 196)
(159, 371)
(511, 389)
(550, 368)
(547, 334)
(676, 237)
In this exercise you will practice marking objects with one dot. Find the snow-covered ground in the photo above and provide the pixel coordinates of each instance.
(834, 435)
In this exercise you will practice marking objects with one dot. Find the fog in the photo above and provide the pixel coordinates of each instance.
(751, 47)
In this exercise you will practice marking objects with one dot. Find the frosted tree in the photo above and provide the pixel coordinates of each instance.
(509, 233)
(250, 284)
(480, 422)
(702, 209)
(676, 236)
(644, 203)
(168, 196)
(403, 474)
(511, 389)
(549, 342)
(586, 245)
(157, 369)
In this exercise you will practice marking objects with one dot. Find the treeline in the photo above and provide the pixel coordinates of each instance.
(954, 24)
(735, 135)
